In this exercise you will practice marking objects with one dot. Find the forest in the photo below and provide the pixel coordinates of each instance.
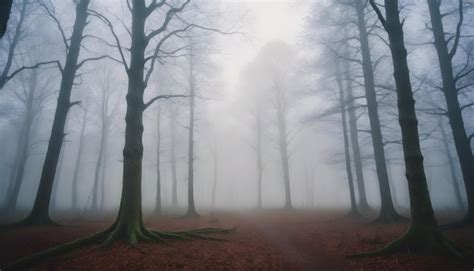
(236, 135)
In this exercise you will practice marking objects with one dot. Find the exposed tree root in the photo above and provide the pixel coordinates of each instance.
(118, 232)
(418, 240)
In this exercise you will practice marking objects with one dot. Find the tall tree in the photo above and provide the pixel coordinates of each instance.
(173, 158)
(452, 168)
(192, 57)
(77, 167)
(354, 135)
(451, 90)
(423, 234)
(158, 161)
(5, 8)
(32, 95)
(387, 210)
(40, 213)
(347, 154)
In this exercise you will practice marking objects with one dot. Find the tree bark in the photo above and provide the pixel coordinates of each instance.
(456, 121)
(388, 213)
(40, 213)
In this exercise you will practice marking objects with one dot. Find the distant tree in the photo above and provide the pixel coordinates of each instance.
(347, 154)
(78, 164)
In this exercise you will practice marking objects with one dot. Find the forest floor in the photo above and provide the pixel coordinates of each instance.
(270, 240)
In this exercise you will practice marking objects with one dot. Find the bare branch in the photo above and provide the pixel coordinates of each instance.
(146, 105)
(458, 30)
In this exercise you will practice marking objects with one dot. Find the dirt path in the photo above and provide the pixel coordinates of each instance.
(300, 251)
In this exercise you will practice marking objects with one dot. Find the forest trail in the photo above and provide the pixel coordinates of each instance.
(297, 248)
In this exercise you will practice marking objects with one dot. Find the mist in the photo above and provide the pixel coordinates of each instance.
(319, 121)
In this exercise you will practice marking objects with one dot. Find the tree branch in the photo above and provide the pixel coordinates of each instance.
(146, 105)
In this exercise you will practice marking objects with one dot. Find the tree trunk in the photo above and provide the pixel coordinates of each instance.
(423, 236)
(259, 162)
(452, 168)
(57, 178)
(75, 180)
(388, 213)
(214, 185)
(40, 213)
(347, 155)
(283, 146)
(23, 144)
(353, 131)
(16, 36)
(98, 168)
(103, 178)
(129, 224)
(191, 207)
(158, 162)
(174, 176)
(5, 10)
(456, 121)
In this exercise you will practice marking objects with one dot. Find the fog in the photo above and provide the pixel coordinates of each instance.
(246, 58)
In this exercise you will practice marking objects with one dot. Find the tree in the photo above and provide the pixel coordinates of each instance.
(347, 155)
(129, 225)
(354, 135)
(423, 234)
(16, 35)
(40, 213)
(452, 169)
(158, 161)
(32, 95)
(387, 210)
(5, 8)
(192, 58)
(77, 167)
(450, 89)
(106, 113)
(173, 158)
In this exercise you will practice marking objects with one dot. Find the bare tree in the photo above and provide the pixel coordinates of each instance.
(347, 154)
(451, 90)
(424, 233)
(77, 167)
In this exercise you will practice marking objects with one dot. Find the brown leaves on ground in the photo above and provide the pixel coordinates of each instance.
(272, 240)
